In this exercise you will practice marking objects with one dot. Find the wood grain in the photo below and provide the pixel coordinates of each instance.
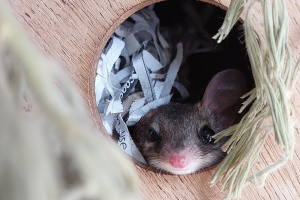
(74, 32)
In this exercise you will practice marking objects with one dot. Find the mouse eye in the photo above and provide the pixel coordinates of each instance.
(206, 135)
(153, 136)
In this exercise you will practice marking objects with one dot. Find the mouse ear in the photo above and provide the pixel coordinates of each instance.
(222, 96)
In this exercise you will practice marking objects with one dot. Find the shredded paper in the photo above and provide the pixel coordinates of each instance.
(134, 76)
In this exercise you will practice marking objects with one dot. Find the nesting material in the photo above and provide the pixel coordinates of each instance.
(275, 79)
(134, 75)
(51, 152)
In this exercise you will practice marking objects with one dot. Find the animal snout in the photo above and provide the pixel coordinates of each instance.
(178, 161)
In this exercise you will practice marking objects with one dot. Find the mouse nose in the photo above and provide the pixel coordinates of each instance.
(178, 161)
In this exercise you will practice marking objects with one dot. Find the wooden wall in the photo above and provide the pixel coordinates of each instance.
(74, 32)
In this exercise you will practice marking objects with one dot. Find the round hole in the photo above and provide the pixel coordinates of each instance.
(192, 23)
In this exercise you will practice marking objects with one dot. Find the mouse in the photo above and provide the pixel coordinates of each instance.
(178, 138)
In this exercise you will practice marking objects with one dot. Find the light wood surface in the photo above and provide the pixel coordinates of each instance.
(74, 32)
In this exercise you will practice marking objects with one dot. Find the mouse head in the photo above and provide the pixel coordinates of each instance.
(177, 138)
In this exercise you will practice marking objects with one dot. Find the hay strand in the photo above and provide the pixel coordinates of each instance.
(274, 78)
(51, 152)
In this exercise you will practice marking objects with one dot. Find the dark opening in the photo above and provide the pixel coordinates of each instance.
(199, 68)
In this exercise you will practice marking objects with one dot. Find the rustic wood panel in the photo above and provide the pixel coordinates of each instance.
(74, 32)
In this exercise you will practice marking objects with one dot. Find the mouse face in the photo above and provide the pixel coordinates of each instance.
(177, 138)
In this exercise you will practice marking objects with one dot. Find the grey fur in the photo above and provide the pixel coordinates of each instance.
(179, 126)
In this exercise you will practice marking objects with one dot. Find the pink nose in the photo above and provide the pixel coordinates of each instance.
(178, 161)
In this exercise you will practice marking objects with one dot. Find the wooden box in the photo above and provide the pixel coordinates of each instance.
(75, 32)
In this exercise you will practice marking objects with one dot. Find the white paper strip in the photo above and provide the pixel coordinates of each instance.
(123, 31)
(142, 27)
(105, 66)
(173, 70)
(116, 106)
(139, 19)
(108, 106)
(126, 72)
(143, 75)
(131, 43)
(136, 105)
(151, 62)
(136, 154)
(182, 90)
(108, 122)
(109, 87)
(125, 139)
(159, 85)
(134, 76)
(138, 114)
